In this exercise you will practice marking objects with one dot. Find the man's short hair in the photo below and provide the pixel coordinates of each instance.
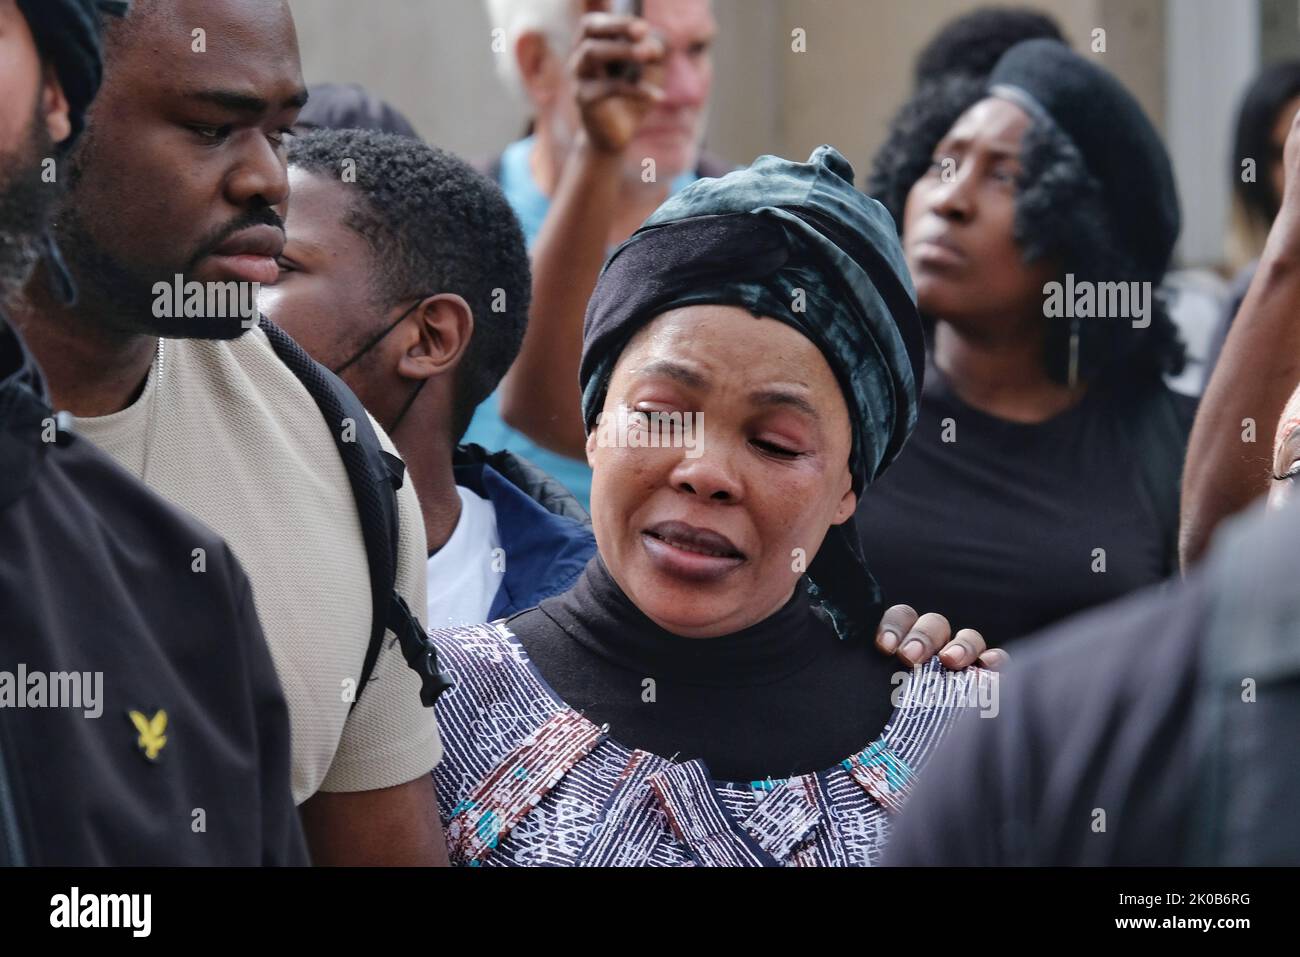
(557, 20)
(434, 225)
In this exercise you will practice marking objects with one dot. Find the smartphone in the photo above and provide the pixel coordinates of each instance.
(627, 71)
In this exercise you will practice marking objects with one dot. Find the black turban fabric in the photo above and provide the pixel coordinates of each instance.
(795, 242)
(1119, 145)
(69, 34)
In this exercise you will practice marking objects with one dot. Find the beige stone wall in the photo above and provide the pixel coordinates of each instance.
(433, 59)
(860, 52)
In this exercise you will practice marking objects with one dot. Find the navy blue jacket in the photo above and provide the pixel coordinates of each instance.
(545, 533)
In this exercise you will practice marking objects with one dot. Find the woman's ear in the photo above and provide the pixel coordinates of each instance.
(848, 505)
(442, 329)
(54, 106)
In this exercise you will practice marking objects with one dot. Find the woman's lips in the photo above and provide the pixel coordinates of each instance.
(937, 253)
(694, 554)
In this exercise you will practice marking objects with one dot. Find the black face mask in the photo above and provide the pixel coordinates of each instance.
(371, 345)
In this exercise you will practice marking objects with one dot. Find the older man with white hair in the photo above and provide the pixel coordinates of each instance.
(607, 145)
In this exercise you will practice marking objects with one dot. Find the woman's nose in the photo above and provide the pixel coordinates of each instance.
(711, 474)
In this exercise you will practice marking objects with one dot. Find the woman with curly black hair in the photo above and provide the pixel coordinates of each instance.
(1038, 215)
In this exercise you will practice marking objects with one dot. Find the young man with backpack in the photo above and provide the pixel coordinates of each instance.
(411, 280)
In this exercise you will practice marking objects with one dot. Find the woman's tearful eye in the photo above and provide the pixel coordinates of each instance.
(664, 420)
(1286, 466)
(1290, 474)
(775, 448)
(1286, 455)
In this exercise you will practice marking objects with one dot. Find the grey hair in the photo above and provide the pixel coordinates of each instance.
(555, 20)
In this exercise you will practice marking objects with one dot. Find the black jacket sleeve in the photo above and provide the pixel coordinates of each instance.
(1089, 759)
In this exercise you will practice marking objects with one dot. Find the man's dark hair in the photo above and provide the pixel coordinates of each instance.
(434, 225)
(972, 44)
(350, 106)
(1060, 214)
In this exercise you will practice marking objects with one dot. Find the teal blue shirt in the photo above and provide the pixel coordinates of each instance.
(487, 428)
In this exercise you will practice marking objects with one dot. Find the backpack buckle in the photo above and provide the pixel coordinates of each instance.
(420, 654)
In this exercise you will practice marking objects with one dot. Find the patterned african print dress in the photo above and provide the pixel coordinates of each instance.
(526, 781)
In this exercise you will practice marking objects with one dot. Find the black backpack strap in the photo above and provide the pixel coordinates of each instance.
(375, 476)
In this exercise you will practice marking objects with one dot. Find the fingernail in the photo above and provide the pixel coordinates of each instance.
(888, 641)
(913, 650)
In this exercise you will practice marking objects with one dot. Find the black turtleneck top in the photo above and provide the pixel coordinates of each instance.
(783, 697)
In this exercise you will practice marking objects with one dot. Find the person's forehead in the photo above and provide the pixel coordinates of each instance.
(993, 121)
(13, 27)
(15, 33)
(689, 19)
(318, 210)
(182, 46)
(19, 81)
(727, 342)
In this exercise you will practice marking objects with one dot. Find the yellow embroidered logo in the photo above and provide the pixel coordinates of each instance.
(151, 739)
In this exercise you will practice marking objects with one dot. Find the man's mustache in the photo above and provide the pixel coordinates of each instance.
(260, 217)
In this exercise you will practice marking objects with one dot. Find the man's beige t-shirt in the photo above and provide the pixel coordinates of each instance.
(227, 432)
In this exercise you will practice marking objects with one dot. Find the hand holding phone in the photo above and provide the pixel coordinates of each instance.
(618, 67)
(625, 69)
